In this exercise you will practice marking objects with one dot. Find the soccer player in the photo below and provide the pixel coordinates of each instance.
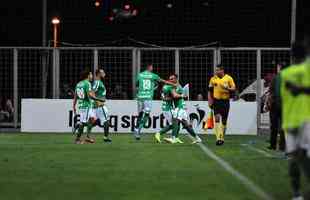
(147, 83)
(220, 87)
(174, 106)
(82, 96)
(294, 82)
(101, 110)
(166, 107)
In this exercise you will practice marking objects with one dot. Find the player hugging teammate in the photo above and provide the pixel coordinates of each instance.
(173, 107)
(147, 83)
(90, 103)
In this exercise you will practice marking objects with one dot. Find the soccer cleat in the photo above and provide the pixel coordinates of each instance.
(106, 139)
(136, 134)
(78, 141)
(217, 143)
(89, 140)
(177, 140)
(197, 140)
(271, 148)
(298, 198)
(157, 137)
(170, 140)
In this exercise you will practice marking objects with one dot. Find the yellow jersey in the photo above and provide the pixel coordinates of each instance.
(219, 84)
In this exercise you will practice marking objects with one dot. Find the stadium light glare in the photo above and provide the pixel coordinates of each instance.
(55, 21)
(127, 6)
(169, 5)
(97, 3)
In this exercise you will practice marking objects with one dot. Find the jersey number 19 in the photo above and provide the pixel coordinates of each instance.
(146, 84)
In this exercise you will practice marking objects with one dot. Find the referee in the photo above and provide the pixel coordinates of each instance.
(220, 88)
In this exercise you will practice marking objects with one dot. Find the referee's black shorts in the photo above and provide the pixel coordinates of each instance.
(221, 106)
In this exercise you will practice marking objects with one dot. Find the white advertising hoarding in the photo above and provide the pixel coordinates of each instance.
(55, 115)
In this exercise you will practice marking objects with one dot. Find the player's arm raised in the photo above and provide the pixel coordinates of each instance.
(167, 82)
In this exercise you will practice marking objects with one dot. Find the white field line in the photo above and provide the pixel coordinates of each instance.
(243, 179)
(260, 151)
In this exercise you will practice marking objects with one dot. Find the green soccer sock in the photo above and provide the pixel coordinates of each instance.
(80, 131)
(140, 116)
(166, 129)
(189, 129)
(144, 119)
(106, 129)
(175, 129)
(89, 128)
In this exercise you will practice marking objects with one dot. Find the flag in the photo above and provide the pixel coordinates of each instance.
(210, 121)
(186, 90)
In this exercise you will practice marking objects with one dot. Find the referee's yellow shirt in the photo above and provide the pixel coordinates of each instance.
(218, 84)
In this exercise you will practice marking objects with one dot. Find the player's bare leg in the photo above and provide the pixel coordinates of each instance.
(90, 125)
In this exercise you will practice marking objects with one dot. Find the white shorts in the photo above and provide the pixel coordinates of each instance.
(168, 116)
(180, 114)
(144, 106)
(84, 115)
(299, 140)
(102, 114)
(92, 113)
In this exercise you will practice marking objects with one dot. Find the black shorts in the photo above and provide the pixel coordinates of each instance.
(221, 107)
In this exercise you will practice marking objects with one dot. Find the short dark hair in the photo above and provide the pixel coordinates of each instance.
(147, 66)
(98, 71)
(220, 66)
(174, 74)
(84, 74)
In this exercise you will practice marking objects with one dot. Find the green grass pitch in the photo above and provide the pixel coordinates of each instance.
(49, 166)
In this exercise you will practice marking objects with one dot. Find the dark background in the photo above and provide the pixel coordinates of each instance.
(188, 22)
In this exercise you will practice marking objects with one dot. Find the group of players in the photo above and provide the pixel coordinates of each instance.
(89, 103)
(293, 84)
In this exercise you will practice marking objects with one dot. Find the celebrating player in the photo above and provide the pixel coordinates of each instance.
(174, 108)
(147, 83)
(220, 87)
(101, 109)
(167, 107)
(82, 96)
